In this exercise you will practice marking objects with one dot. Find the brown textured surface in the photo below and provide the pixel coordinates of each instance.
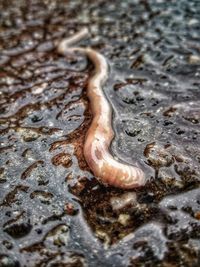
(53, 211)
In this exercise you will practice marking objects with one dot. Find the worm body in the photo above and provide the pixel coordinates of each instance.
(100, 134)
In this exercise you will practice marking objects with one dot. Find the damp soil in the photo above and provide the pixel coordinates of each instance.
(53, 211)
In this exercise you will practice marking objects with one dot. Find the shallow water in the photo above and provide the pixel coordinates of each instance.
(53, 211)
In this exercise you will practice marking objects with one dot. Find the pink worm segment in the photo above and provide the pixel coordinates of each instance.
(100, 134)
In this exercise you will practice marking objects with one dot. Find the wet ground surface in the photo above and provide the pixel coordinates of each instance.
(53, 211)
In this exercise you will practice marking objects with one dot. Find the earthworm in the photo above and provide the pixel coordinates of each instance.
(100, 134)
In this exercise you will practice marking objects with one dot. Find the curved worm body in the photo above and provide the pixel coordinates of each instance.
(100, 134)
